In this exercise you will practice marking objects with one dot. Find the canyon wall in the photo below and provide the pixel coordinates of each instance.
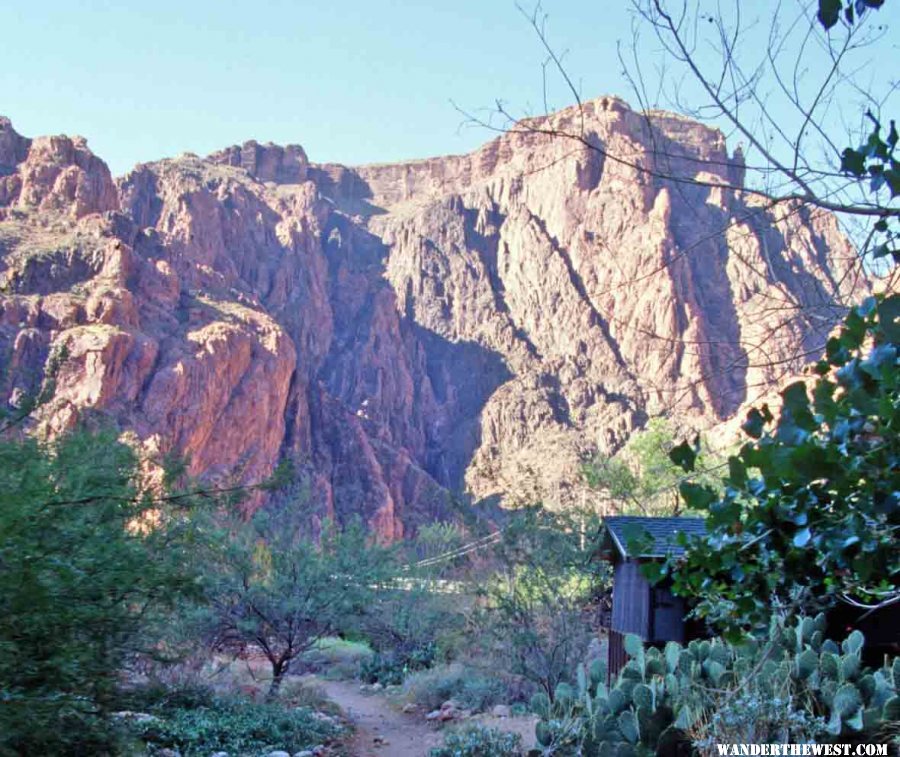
(402, 332)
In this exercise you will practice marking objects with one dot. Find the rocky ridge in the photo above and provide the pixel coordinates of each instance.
(402, 331)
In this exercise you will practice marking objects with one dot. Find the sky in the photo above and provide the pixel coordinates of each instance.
(351, 81)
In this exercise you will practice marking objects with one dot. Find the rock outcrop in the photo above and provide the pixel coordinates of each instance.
(405, 331)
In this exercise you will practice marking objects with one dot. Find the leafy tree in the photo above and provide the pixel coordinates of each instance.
(538, 608)
(810, 514)
(418, 622)
(90, 561)
(641, 477)
(271, 586)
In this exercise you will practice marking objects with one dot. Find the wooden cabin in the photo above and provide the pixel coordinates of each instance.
(651, 612)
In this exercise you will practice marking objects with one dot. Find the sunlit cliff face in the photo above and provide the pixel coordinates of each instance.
(403, 331)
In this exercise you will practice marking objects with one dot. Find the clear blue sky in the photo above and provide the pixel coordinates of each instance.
(353, 81)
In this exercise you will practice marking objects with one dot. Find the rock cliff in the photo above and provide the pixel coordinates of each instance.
(403, 331)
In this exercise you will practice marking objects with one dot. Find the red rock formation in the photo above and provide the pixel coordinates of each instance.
(407, 330)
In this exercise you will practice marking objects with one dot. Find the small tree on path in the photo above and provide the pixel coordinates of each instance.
(272, 587)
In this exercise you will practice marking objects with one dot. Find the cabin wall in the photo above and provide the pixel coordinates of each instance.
(631, 600)
(616, 657)
(668, 611)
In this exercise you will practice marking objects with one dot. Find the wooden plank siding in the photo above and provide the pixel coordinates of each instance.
(631, 600)
(616, 657)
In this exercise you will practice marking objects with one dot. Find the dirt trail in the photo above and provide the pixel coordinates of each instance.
(381, 731)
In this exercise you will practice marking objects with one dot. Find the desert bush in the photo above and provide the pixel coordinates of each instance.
(304, 692)
(155, 695)
(471, 688)
(392, 667)
(229, 725)
(409, 630)
(751, 717)
(479, 741)
(337, 658)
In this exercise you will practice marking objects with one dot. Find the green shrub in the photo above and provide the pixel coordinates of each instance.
(233, 726)
(337, 658)
(390, 668)
(479, 741)
(474, 691)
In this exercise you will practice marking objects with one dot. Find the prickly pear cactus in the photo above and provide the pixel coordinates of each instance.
(661, 695)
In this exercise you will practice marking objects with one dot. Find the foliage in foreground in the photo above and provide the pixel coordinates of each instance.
(810, 513)
(88, 563)
(207, 724)
(479, 741)
(794, 687)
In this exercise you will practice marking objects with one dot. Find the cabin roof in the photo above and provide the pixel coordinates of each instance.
(620, 529)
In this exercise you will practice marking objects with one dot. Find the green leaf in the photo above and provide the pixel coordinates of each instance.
(617, 701)
(543, 734)
(638, 540)
(697, 496)
(673, 652)
(642, 696)
(715, 671)
(654, 571)
(737, 472)
(889, 317)
(829, 12)
(891, 710)
(853, 644)
(853, 162)
(892, 177)
(683, 456)
(753, 426)
(796, 403)
(849, 667)
(807, 662)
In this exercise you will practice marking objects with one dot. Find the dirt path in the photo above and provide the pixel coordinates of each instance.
(381, 731)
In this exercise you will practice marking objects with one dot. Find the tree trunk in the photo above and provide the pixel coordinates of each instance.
(279, 668)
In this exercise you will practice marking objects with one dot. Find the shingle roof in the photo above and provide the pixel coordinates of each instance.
(622, 528)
